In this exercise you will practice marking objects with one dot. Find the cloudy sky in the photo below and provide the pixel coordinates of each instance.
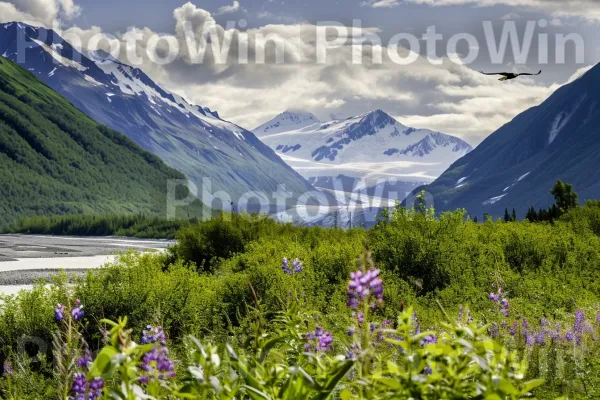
(439, 89)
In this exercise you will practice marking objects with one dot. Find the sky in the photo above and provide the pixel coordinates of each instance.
(439, 89)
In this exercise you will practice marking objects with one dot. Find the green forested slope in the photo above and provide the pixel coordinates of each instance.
(56, 160)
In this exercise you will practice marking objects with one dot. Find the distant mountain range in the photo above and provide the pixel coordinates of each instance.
(190, 138)
(56, 160)
(516, 166)
(373, 147)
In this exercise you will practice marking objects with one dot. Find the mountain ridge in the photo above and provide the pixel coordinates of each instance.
(190, 138)
(516, 166)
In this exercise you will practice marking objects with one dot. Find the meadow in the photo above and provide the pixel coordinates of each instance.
(418, 306)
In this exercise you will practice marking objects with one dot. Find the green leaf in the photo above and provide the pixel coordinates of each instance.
(103, 364)
(529, 386)
(256, 394)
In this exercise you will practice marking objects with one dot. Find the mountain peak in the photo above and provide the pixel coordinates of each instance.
(287, 121)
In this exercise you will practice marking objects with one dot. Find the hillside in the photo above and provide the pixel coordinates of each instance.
(56, 160)
(190, 138)
(516, 165)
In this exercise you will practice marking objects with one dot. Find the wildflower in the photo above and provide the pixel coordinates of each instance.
(85, 360)
(530, 340)
(362, 285)
(81, 386)
(59, 312)
(428, 370)
(156, 363)
(493, 297)
(286, 267)
(598, 318)
(77, 312)
(322, 338)
(431, 339)
(297, 266)
(469, 317)
(540, 339)
(524, 324)
(154, 335)
(386, 323)
(505, 307)
(569, 337)
(493, 331)
(579, 319)
(513, 330)
(7, 368)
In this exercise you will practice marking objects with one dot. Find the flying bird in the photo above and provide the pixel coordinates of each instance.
(508, 75)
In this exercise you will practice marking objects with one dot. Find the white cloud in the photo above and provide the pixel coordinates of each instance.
(235, 7)
(42, 12)
(449, 98)
(587, 9)
(380, 3)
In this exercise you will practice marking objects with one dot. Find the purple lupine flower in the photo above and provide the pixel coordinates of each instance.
(373, 326)
(513, 330)
(156, 363)
(570, 337)
(540, 339)
(493, 331)
(362, 285)
(524, 325)
(297, 266)
(544, 322)
(322, 338)
(154, 335)
(7, 368)
(85, 360)
(469, 317)
(505, 307)
(530, 340)
(95, 388)
(493, 297)
(285, 266)
(79, 385)
(431, 339)
(77, 312)
(59, 312)
(598, 318)
(387, 323)
(428, 370)
(579, 319)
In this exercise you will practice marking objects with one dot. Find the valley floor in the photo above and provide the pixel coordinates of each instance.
(27, 258)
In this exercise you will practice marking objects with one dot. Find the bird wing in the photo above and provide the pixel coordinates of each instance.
(494, 73)
(531, 74)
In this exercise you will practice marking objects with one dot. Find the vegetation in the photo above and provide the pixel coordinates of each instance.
(54, 160)
(522, 292)
(140, 226)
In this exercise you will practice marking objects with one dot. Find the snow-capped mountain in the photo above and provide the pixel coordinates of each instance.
(374, 147)
(190, 138)
(516, 166)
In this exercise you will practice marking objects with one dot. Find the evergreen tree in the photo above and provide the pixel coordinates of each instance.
(565, 197)
(475, 219)
(514, 215)
(506, 216)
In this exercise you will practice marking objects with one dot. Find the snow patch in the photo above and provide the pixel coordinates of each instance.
(58, 57)
(523, 176)
(93, 81)
(493, 200)
(461, 180)
(51, 73)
